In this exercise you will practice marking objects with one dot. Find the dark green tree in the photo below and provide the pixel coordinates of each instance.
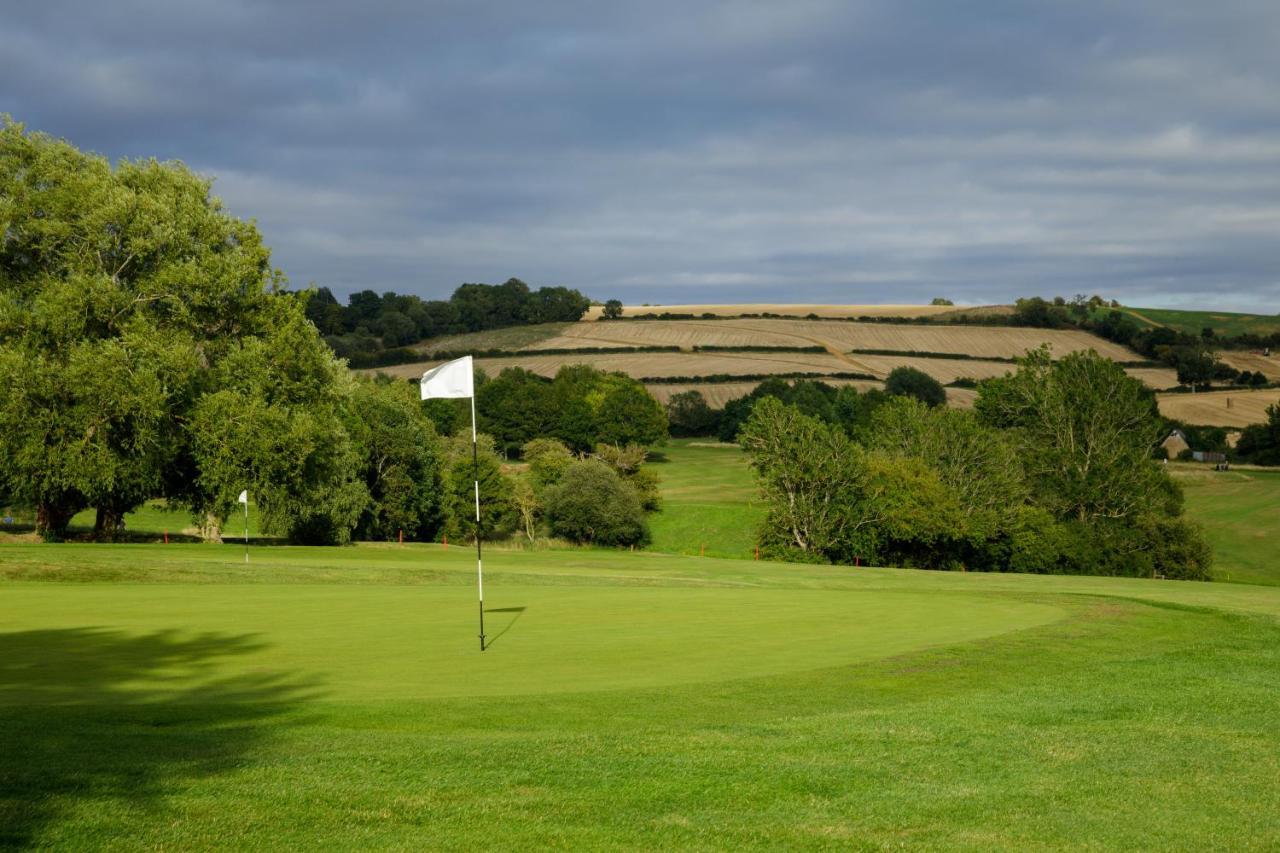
(592, 504)
(689, 415)
(910, 382)
(402, 464)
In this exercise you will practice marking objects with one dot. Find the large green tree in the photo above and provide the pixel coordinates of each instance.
(1085, 432)
(401, 462)
(141, 326)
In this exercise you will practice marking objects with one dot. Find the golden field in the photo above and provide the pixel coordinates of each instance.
(717, 394)
(802, 310)
(671, 364)
(1252, 361)
(837, 336)
(1236, 408)
(838, 339)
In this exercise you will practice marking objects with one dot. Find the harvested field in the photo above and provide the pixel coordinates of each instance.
(1235, 408)
(802, 310)
(1154, 377)
(1252, 361)
(942, 369)
(663, 364)
(979, 341)
(510, 338)
(719, 393)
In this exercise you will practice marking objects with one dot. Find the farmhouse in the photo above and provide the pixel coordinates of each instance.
(1175, 444)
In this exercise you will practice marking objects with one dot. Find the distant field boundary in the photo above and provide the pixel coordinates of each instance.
(718, 378)
(925, 320)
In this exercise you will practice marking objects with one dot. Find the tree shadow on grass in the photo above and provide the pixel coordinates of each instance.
(95, 715)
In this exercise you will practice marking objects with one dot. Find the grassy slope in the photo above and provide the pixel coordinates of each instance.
(333, 698)
(1222, 322)
(1240, 511)
(708, 500)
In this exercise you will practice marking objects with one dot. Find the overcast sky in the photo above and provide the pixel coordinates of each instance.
(681, 151)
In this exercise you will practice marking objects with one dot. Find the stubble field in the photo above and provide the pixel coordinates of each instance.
(1235, 408)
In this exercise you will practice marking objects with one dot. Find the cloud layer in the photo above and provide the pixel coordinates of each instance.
(736, 151)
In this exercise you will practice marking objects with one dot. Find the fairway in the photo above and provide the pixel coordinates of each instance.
(158, 696)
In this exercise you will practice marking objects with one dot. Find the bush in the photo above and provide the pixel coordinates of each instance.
(593, 505)
(909, 382)
(689, 415)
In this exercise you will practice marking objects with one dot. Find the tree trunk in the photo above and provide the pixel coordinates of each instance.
(211, 530)
(108, 524)
(52, 520)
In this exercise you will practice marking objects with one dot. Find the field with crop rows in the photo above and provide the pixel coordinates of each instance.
(979, 341)
(803, 310)
(1220, 408)
(1252, 361)
(677, 364)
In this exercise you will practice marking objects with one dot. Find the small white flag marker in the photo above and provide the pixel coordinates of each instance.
(449, 380)
(244, 499)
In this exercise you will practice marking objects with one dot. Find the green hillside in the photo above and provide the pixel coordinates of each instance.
(1223, 323)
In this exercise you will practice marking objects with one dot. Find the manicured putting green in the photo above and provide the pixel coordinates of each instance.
(394, 643)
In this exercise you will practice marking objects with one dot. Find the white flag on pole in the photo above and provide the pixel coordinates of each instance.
(451, 379)
(244, 497)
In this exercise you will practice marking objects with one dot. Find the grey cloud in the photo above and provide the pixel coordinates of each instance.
(873, 150)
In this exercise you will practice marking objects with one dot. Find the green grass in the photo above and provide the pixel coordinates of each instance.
(151, 521)
(173, 697)
(709, 500)
(1240, 512)
(1222, 322)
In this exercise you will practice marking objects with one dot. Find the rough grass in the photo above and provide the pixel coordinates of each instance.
(1240, 511)
(324, 700)
(709, 502)
(1222, 322)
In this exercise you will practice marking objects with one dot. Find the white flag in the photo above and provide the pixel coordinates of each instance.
(451, 379)
(244, 497)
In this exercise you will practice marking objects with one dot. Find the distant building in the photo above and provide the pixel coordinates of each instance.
(1208, 456)
(1175, 444)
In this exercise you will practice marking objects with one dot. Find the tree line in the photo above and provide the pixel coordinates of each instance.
(370, 323)
(689, 414)
(1191, 356)
(150, 350)
(1051, 472)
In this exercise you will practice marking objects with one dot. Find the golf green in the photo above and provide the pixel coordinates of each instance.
(372, 643)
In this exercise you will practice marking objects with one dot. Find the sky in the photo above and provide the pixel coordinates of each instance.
(802, 151)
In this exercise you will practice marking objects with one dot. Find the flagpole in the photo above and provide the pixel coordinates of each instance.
(475, 467)
(246, 530)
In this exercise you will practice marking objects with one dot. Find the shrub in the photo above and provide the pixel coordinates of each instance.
(909, 382)
(592, 504)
